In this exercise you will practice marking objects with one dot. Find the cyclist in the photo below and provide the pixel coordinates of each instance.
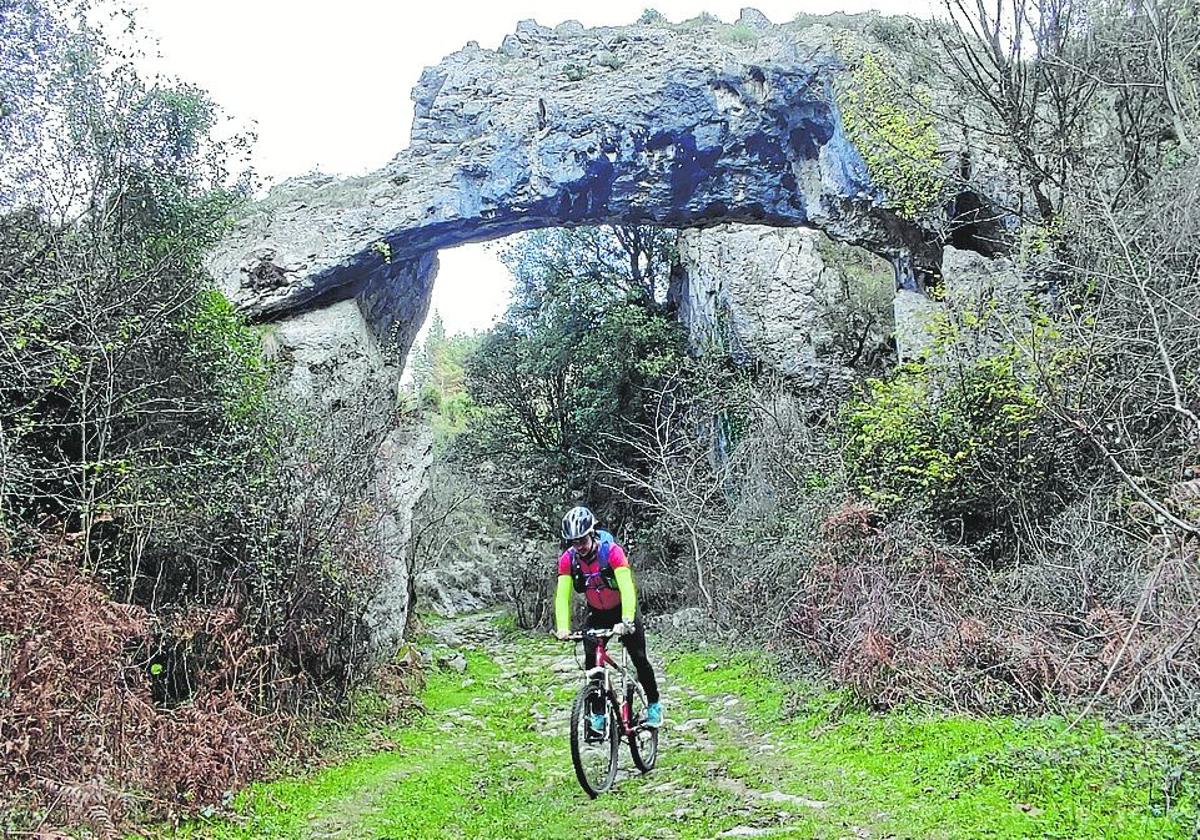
(596, 565)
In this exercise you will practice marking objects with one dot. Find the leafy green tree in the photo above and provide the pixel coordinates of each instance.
(112, 336)
(439, 378)
(137, 424)
(567, 369)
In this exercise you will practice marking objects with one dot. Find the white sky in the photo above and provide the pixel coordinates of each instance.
(327, 83)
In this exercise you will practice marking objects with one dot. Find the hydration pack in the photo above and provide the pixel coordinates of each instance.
(604, 571)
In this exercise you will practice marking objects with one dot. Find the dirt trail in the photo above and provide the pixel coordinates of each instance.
(490, 759)
(768, 812)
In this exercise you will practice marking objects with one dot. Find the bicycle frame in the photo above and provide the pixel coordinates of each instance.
(604, 662)
(626, 727)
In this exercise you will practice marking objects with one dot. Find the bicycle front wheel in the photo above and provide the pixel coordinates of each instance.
(594, 753)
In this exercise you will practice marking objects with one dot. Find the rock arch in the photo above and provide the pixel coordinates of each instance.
(686, 125)
(681, 126)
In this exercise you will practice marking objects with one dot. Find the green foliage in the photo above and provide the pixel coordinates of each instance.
(739, 35)
(574, 72)
(221, 340)
(136, 410)
(898, 141)
(609, 59)
(948, 444)
(439, 379)
(559, 379)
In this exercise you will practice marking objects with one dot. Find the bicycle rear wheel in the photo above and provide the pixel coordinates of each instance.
(594, 754)
(643, 742)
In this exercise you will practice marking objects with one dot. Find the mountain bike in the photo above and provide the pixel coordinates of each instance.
(617, 693)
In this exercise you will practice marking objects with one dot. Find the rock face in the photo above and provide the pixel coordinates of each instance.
(681, 126)
(972, 282)
(790, 300)
(458, 586)
(334, 362)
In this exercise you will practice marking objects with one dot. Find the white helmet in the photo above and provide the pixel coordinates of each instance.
(577, 522)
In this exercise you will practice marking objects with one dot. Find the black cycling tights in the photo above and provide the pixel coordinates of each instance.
(634, 642)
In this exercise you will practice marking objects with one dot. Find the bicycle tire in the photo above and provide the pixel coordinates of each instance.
(643, 744)
(593, 787)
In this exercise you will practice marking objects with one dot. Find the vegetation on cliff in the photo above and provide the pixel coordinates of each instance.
(1008, 525)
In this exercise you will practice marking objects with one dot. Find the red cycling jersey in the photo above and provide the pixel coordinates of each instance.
(599, 597)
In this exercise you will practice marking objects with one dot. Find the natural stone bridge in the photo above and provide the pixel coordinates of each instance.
(685, 125)
(680, 126)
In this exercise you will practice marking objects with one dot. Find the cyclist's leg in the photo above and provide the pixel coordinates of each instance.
(635, 643)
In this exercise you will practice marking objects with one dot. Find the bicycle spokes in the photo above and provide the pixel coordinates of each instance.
(593, 748)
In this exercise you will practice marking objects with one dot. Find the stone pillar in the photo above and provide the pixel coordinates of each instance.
(345, 359)
(781, 298)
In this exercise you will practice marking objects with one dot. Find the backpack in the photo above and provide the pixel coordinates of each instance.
(604, 570)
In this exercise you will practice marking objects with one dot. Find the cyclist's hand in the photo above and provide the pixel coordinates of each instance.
(622, 629)
(562, 635)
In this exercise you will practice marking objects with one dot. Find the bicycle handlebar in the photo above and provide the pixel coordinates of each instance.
(598, 633)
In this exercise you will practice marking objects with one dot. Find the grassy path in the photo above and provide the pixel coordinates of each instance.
(490, 760)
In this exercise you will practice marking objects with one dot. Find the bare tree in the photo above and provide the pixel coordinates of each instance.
(682, 477)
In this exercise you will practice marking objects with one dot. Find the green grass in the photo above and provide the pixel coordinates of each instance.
(911, 773)
(488, 775)
(749, 675)
(476, 766)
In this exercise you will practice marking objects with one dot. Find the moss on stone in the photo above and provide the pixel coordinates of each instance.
(897, 139)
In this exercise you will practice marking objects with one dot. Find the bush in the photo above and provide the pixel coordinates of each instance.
(79, 727)
(893, 129)
(953, 445)
(529, 584)
(739, 35)
(218, 561)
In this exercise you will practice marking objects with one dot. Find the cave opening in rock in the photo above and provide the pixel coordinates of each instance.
(977, 226)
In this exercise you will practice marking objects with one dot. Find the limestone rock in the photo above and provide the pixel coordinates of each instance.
(699, 125)
(754, 19)
(969, 282)
(456, 587)
(401, 474)
(685, 126)
(781, 298)
(914, 312)
(334, 361)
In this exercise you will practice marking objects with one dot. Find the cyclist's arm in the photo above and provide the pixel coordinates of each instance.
(562, 604)
(628, 593)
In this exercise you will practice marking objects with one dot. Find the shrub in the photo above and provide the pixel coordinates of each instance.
(898, 141)
(79, 727)
(219, 565)
(529, 582)
(739, 35)
(951, 445)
